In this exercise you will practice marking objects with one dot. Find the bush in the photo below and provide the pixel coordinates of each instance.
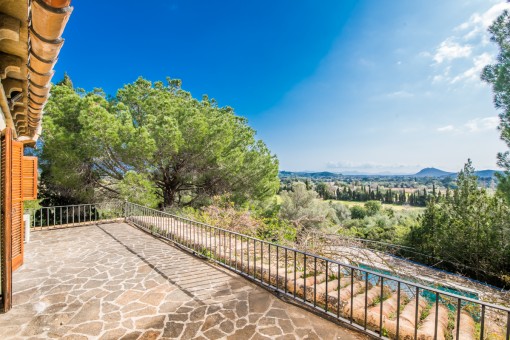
(358, 212)
(342, 212)
(372, 207)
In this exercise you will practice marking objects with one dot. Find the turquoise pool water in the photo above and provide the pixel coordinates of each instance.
(429, 295)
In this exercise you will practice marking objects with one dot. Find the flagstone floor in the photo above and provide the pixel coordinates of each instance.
(113, 281)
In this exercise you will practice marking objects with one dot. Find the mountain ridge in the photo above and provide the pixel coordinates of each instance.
(425, 172)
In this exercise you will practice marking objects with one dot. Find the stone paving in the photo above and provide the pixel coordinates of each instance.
(113, 281)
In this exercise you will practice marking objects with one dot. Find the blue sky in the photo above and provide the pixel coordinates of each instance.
(370, 86)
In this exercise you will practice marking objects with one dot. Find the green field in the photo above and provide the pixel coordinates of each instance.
(395, 207)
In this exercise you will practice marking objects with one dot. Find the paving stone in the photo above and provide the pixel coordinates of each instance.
(113, 334)
(213, 309)
(131, 336)
(99, 282)
(271, 331)
(242, 309)
(267, 322)
(149, 310)
(75, 337)
(259, 302)
(277, 313)
(169, 307)
(114, 316)
(260, 337)
(240, 323)
(211, 321)
(111, 325)
(198, 313)
(191, 330)
(227, 326)
(153, 299)
(128, 323)
(228, 314)
(173, 329)
(178, 317)
(150, 322)
(286, 337)
(89, 311)
(132, 307)
(128, 296)
(213, 334)
(91, 328)
(285, 325)
(150, 335)
(244, 333)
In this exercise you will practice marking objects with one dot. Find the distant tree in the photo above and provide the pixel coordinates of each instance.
(342, 212)
(358, 212)
(304, 210)
(498, 75)
(470, 228)
(322, 190)
(372, 207)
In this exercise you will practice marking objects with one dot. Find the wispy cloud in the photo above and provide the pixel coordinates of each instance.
(446, 128)
(473, 73)
(478, 23)
(472, 126)
(482, 124)
(400, 94)
(372, 166)
(467, 39)
(449, 50)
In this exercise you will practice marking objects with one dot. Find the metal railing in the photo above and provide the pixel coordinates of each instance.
(75, 215)
(377, 304)
(411, 255)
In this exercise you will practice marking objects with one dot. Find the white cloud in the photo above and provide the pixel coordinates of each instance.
(473, 73)
(482, 124)
(372, 167)
(479, 22)
(400, 94)
(446, 128)
(472, 126)
(449, 50)
(466, 51)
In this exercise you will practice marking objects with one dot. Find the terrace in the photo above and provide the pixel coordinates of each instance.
(142, 273)
(113, 281)
(121, 270)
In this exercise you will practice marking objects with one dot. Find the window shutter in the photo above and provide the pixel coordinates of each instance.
(17, 205)
(29, 178)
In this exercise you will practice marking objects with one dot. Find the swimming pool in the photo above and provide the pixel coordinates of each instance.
(429, 295)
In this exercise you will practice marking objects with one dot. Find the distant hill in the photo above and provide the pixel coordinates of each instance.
(426, 172)
(433, 172)
(487, 173)
(309, 174)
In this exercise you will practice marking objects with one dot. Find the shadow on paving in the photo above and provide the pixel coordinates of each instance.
(114, 281)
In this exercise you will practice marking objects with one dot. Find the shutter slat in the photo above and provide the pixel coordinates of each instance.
(17, 204)
(29, 186)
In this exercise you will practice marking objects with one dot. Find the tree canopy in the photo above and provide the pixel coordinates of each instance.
(152, 143)
(498, 76)
(470, 229)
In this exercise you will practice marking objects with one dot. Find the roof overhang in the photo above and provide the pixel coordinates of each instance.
(30, 42)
